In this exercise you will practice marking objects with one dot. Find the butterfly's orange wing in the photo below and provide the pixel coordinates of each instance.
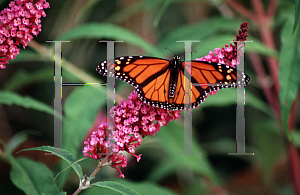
(151, 77)
(205, 77)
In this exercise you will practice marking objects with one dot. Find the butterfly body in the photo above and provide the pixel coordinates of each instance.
(174, 67)
(161, 83)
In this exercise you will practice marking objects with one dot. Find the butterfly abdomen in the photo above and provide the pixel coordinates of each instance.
(172, 88)
(174, 66)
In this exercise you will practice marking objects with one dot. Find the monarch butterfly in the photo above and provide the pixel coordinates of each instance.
(160, 82)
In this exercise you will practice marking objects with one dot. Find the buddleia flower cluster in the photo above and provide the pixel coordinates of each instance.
(228, 54)
(133, 120)
(18, 24)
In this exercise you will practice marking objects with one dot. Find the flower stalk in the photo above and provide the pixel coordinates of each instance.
(263, 19)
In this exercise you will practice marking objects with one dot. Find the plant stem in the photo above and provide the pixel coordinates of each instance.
(241, 9)
(272, 7)
(294, 166)
(264, 19)
(92, 175)
(264, 83)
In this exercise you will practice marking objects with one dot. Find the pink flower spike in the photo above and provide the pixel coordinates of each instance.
(21, 16)
(131, 124)
(228, 54)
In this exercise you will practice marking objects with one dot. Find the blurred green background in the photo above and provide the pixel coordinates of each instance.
(146, 28)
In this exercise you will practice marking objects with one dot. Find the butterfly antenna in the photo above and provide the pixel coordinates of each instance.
(170, 50)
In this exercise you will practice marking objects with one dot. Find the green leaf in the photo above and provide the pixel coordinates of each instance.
(210, 38)
(109, 31)
(117, 187)
(10, 98)
(265, 132)
(162, 170)
(32, 177)
(81, 107)
(223, 146)
(22, 78)
(17, 140)
(172, 141)
(161, 11)
(144, 188)
(201, 31)
(210, 43)
(289, 70)
(225, 97)
(297, 15)
(27, 55)
(295, 136)
(62, 193)
(63, 154)
(260, 48)
(286, 10)
(135, 7)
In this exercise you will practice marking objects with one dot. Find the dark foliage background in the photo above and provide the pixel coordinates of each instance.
(146, 28)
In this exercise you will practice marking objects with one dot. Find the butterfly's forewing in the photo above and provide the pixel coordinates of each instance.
(207, 77)
(149, 75)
